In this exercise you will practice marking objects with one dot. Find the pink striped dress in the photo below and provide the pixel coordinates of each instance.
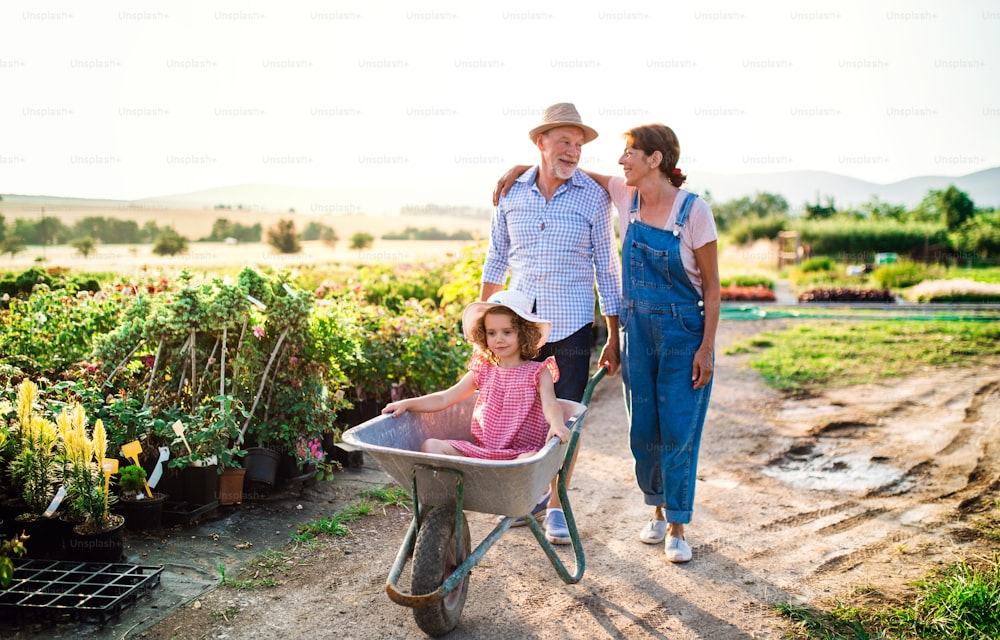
(507, 419)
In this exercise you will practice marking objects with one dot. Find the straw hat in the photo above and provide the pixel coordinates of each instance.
(513, 300)
(562, 115)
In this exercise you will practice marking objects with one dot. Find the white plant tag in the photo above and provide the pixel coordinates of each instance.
(56, 501)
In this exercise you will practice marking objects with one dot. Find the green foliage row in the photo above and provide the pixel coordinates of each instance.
(157, 354)
(859, 241)
(21, 284)
(748, 280)
(50, 330)
(946, 217)
(430, 233)
(50, 230)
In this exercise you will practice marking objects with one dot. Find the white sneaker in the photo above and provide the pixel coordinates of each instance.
(677, 550)
(653, 532)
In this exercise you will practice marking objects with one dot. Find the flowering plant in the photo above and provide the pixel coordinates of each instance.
(34, 468)
(83, 457)
(310, 451)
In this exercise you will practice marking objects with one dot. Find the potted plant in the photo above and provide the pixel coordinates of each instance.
(141, 510)
(207, 446)
(34, 471)
(100, 537)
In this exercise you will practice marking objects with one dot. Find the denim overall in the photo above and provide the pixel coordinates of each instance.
(663, 320)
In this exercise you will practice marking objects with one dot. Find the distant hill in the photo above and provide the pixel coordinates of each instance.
(797, 187)
(800, 187)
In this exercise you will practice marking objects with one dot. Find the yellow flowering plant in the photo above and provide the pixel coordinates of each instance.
(33, 468)
(83, 456)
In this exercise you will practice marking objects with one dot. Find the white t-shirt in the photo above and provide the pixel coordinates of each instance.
(698, 231)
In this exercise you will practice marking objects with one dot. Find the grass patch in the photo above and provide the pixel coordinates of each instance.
(840, 352)
(336, 524)
(390, 496)
(264, 570)
(981, 274)
(958, 602)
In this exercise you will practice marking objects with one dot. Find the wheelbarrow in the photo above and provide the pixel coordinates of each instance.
(444, 487)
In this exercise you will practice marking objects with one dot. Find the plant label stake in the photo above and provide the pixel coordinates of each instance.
(109, 465)
(158, 470)
(257, 303)
(56, 501)
(131, 451)
(179, 432)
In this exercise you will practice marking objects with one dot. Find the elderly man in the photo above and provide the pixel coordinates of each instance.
(553, 233)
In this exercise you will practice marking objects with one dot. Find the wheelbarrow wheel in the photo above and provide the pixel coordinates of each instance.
(434, 559)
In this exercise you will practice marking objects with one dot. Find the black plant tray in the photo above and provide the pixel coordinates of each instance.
(64, 591)
(186, 513)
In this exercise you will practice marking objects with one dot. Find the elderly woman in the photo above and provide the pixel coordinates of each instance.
(669, 317)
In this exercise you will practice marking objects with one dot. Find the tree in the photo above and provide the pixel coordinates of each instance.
(319, 231)
(361, 240)
(84, 246)
(821, 212)
(283, 237)
(50, 230)
(951, 207)
(980, 234)
(11, 245)
(762, 205)
(170, 243)
(878, 210)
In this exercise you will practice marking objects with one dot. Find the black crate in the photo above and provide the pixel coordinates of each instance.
(65, 591)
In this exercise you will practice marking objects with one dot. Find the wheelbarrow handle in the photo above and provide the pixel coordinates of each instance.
(594, 379)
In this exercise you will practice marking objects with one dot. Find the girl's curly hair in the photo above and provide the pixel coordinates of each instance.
(528, 334)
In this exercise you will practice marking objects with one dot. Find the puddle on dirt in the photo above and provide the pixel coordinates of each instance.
(816, 466)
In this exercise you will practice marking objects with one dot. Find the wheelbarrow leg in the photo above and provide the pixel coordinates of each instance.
(574, 533)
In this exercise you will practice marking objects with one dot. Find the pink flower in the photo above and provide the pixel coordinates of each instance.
(258, 331)
(309, 450)
(293, 360)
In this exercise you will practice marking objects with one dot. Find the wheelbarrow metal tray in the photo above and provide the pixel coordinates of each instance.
(507, 487)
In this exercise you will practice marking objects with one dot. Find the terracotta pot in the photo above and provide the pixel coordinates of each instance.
(231, 486)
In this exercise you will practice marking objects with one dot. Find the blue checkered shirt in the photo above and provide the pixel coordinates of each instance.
(555, 250)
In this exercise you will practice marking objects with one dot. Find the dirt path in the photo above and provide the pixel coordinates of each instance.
(799, 500)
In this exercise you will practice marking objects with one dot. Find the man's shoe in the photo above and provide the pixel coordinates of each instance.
(556, 530)
(677, 550)
(654, 532)
(537, 511)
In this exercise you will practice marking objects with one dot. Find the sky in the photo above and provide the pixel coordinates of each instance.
(433, 101)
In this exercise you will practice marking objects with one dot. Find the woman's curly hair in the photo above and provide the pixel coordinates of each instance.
(528, 334)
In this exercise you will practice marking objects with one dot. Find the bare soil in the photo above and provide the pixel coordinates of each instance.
(802, 500)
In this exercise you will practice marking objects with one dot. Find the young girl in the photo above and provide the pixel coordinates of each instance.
(516, 412)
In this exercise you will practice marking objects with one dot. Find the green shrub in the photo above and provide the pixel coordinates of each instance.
(27, 280)
(748, 280)
(819, 263)
(899, 274)
(751, 229)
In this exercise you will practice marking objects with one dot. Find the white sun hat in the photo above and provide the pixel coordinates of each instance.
(513, 300)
